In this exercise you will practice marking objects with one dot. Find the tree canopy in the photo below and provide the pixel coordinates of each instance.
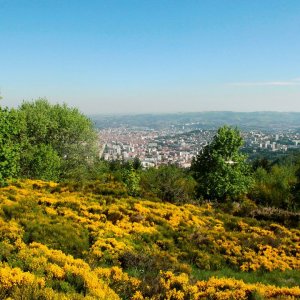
(220, 169)
(169, 183)
(58, 134)
(45, 141)
(9, 147)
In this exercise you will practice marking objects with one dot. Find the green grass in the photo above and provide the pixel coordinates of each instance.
(288, 278)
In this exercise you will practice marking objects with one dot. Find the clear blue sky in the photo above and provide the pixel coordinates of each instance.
(152, 56)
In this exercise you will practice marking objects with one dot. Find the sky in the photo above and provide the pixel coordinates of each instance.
(154, 56)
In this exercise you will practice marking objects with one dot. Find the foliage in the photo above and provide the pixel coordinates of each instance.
(42, 162)
(296, 189)
(137, 164)
(56, 140)
(263, 163)
(9, 147)
(132, 180)
(220, 170)
(275, 188)
(169, 183)
(129, 248)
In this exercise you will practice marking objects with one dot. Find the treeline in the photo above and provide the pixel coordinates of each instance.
(39, 140)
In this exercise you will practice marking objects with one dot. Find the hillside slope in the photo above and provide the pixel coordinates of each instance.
(95, 242)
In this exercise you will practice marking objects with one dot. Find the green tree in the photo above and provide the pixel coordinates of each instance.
(262, 162)
(137, 164)
(9, 147)
(55, 137)
(296, 189)
(42, 162)
(131, 178)
(220, 169)
(169, 183)
(275, 188)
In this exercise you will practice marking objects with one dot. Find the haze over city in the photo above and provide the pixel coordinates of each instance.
(152, 56)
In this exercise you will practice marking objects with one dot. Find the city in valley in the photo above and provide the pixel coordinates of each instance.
(178, 145)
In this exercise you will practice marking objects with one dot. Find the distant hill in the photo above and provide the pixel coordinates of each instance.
(206, 120)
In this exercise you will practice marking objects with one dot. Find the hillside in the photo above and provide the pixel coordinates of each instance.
(95, 242)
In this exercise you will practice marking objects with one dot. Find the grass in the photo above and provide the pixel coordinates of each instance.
(288, 278)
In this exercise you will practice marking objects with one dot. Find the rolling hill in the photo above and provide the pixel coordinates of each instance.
(93, 241)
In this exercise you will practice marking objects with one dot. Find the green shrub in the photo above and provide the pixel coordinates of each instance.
(169, 183)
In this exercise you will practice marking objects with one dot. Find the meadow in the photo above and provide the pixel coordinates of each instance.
(94, 241)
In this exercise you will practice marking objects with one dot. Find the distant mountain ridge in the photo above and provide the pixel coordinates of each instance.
(205, 120)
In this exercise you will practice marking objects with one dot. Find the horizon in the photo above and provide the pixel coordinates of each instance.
(152, 112)
(112, 57)
(193, 112)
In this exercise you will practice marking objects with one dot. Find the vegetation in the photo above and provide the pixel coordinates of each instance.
(54, 142)
(273, 188)
(277, 184)
(220, 169)
(45, 141)
(75, 227)
(169, 183)
(57, 134)
(9, 148)
(98, 243)
(131, 179)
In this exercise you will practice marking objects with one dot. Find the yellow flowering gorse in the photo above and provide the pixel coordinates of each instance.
(125, 240)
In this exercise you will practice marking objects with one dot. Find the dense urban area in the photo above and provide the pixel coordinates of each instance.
(178, 145)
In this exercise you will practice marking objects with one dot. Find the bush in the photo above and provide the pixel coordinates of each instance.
(275, 188)
(169, 183)
(61, 235)
(55, 132)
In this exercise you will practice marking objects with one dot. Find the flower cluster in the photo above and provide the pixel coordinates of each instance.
(60, 244)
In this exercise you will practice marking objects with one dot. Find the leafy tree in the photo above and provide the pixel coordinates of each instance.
(277, 184)
(275, 188)
(119, 169)
(136, 163)
(55, 137)
(169, 183)
(42, 162)
(115, 165)
(262, 162)
(296, 190)
(131, 179)
(220, 169)
(9, 147)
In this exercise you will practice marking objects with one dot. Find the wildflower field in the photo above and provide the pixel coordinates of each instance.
(60, 241)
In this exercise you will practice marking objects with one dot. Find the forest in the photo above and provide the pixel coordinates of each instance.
(73, 226)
